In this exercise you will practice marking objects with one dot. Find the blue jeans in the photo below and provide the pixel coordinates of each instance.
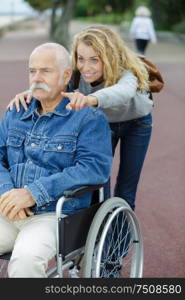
(134, 137)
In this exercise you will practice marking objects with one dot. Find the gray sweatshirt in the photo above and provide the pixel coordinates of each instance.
(122, 101)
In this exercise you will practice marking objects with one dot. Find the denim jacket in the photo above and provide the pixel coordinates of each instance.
(54, 152)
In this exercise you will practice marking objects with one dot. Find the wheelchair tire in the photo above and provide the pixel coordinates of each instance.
(114, 246)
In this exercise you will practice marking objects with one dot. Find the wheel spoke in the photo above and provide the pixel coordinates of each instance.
(110, 248)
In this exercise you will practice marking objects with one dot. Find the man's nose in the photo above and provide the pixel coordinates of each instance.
(37, 77)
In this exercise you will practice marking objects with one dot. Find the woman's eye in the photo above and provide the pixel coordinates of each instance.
(94, 60)
(80, 59)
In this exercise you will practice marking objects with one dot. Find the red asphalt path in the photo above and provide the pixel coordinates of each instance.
(160, 204)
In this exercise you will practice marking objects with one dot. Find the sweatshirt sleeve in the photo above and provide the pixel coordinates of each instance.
(118, 94)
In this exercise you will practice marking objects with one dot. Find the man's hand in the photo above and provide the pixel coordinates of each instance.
(23, 214)
(15, 200)
(79, 101)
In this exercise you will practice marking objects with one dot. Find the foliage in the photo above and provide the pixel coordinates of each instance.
(59, 25)
(138, 3)
(111, 18)
(84, 7)
(179, 27)
(40, 5)
(81, 8)
(94, 7)
(167, 13)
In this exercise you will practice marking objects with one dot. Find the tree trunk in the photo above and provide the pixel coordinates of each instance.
(53, 22)
(61, 34)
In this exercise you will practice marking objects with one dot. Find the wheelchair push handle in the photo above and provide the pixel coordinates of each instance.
(82, 190)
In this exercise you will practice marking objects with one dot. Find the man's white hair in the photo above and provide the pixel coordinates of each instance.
(62, 55)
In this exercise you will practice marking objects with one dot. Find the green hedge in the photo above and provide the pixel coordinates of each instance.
(114, 19)
(180, 27)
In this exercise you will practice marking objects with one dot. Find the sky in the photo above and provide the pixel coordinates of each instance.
(16, 6)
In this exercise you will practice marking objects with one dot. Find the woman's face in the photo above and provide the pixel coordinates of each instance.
(89, 63)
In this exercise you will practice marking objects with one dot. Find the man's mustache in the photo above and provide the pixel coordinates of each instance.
(38, 85)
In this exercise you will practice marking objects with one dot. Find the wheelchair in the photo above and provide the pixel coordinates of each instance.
(97, 242)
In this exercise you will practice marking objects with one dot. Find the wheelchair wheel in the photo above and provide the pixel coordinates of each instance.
(114, 246)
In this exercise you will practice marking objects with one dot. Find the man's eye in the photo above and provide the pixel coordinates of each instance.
(32, 71)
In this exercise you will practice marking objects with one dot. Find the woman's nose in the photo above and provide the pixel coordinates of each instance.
(86, 66)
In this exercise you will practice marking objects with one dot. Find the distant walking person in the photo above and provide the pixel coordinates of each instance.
(142, 29)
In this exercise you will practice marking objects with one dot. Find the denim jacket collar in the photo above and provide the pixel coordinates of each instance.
(60, 110)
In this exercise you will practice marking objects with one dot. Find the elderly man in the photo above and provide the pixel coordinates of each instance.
(43, 152)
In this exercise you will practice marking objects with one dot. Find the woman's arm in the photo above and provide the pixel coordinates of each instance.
(79, 100)
(23, 98)
(113, 96)
(120, 102)
(118, 94)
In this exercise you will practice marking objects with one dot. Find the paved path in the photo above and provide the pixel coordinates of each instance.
(161, 192)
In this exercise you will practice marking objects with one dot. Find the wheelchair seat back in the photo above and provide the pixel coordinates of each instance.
(74, 229)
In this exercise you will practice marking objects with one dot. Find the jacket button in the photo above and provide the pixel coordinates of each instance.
(59, 147)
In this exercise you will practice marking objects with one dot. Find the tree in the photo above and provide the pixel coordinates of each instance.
(39, 5)
(93, 7)
(166, 13)
(58, 24)
(61, 30)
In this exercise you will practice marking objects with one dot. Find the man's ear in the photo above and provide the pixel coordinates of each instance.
(67, 75)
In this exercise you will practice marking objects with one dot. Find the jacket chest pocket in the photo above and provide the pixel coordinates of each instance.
(59, 152)
(15, 146)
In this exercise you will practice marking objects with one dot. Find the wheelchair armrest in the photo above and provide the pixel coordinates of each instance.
(82, 190)
(67, 195)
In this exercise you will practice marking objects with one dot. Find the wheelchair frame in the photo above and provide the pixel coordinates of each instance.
(94, 225)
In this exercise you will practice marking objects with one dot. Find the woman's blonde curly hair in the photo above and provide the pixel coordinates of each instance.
(117, 58)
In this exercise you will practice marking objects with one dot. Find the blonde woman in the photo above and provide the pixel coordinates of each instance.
(101, 59)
